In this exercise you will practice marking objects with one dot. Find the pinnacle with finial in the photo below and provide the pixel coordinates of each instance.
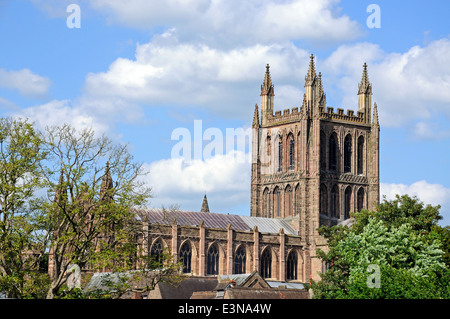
(311, 75)
(256, 117)
(364, 85)
(375, 113)
(205, 206)
(267, 86)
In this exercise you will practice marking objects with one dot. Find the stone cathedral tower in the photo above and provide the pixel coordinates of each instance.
(315, 165)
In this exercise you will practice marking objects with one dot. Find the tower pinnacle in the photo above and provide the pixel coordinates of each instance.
(205, 206)
(364, 86)
(267, 86)
(311, 75)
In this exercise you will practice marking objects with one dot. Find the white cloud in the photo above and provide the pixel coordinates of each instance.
(434, 194)
(223, 21)
(406, 86)
(58, 112)
(430, 130)
(225, 178)
(165, 71)
(26, 82)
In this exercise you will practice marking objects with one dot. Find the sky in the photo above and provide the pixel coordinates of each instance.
(158, 74)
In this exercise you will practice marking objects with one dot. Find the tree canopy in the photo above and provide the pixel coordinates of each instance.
(397, 251)
(65, 204)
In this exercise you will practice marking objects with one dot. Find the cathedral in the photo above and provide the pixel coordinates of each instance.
(310, 167)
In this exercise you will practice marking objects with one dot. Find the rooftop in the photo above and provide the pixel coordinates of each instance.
(214, 220)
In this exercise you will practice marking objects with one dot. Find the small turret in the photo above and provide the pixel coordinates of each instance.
(365, 95)
(267, 94)
(107, 184)
(205, 206)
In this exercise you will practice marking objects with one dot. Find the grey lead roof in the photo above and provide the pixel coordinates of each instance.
(215, 220)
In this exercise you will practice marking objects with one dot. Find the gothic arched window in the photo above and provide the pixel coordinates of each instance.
(266, 203)
(348, 199)
(335, 202)
(291, 153)
(156, 251)
(280, 155)
(277, 201)
(323, 209)
(360, 199)
(348, 154)
(332, 152)
(291, 266)
(323, 163)
(239, 261)
(212, 263)
(288, 200)
(185, 256)
(360, 160)
(266, 264)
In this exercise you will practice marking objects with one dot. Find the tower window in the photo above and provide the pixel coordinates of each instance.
(323, 164)
(335, 202)
(332, 153)
(348, 198)
(266, 203)
(323, 209)
(280, 156)
(277, 201)
(288, 200)
(360, 199)
(360, 155)
(291, 154)
(348, 154)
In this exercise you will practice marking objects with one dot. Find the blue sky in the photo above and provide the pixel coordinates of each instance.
(138, 70)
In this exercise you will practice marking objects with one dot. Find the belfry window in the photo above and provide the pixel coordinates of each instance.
(266, 203)
(360, 155)
(185, 256)
(277, 201)
(323, 201)
(335, 202)
(360, 200)
(291, 154)
(323, 163)
(239, 261)
(288, 200)
(348, 154)
(332, 153)
(348, 198)
(266, 264)
(291, 266)
(212, 266)
(280, 155)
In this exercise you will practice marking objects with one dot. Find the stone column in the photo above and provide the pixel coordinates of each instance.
(229, 250)
(282, 256)
(175, 241)
(201, 266)
(256, 249)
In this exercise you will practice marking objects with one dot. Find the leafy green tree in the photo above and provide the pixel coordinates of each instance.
(400, 240)
(21, 242)
(93, 184)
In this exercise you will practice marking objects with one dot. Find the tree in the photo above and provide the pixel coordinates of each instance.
(21, 242)
(400, 240)
(93, 184)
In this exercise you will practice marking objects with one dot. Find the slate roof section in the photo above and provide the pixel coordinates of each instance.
(215, 220)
